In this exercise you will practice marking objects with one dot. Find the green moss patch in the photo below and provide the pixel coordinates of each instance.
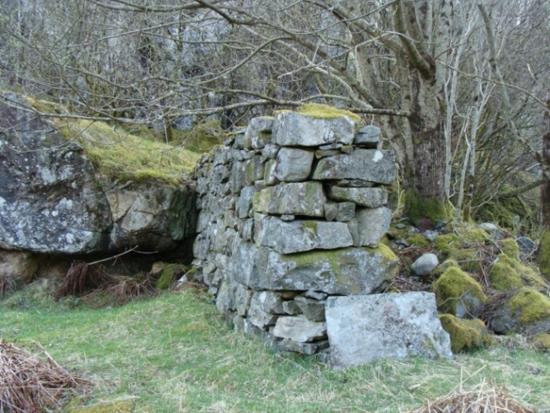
(542, 341)
(169, 275)
(202, 138)
(458, 293)
(510, 247)
(465, 334)
(531, 306)
(317, 110)
(122, 155)
(122, 406)
(509, 273)
(544, 254)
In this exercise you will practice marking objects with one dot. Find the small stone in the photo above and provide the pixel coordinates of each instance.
(293, 165)
(291, 308)
(331, 211)
(307, 349)
(489, 227)
(425, 264)
(269, 172)
(313, 310)
(299, 329)
(244, 203)
(526, 245)
(258, 132)
(287, 218)
(346, 211)
(316, 295)
(367, 197)
(368, 136)
(369, 226)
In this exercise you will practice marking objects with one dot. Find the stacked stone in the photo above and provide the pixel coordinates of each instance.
(292, 211)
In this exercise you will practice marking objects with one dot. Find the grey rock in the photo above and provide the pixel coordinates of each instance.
(150, 216)
(299, 198)
(526, 245)
(244, 203)
(254, 170)
(369, 226)
(346, 211)
(294, 129)
(367, 197)
(312, 309)
(489, 227)
(362, 329)
(233, 296)
(316, 295)
(307, 349)
(50, 200)
(425, 264)
(366, 164)
(291, 308)
(368, 136)
(299, 236)
(287, 218)
(319, 153)
(258, 313)
(293, 165)
(269, 172)
(238, 174)
(342, 271)
(331, 211)
(299, 329)
(258, 132)
(270, 151)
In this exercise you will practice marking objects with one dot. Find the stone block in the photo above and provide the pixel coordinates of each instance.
(366, 164)
(293, 165)
(366, 197)
(299, 329)
(296, 198)
(362, 329)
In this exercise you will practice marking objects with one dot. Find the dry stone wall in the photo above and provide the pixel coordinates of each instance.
(291, 212)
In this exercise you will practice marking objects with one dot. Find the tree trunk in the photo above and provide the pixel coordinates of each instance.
(545, 189)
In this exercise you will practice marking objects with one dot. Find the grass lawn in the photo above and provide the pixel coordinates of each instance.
(173, 353)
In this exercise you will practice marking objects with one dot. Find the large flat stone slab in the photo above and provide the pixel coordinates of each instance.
(295, 129)
(341, 271)
(299, 236)
(366, 164)
(366, 197)
(365, 328)
(369, 226)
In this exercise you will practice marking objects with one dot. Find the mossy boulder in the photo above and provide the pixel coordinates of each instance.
(463, 248)
(542, 341)
(510, 247)
(465, 334)
(444, 266)
(544, 254)
(524, 311)
(459, 294)
(508, 274)
(169, 274)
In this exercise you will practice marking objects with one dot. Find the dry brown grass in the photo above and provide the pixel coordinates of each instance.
(82, 278)
(483, 399)
(33, 384)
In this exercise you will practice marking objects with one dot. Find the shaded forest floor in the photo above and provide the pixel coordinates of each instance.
(174, 353)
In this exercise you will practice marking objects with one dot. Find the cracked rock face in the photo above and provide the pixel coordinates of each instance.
(49, 198)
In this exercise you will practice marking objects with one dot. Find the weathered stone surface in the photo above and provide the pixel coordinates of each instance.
(425, 264)
(298, 236)
(293, 165)
(258, 132)
(50, 200)
(254, 170)
(300, 198)
(313, 310)
(303, 348)
(369, 226)
(342, 271)
(299, 329)
(367, 197)
(331, 211)
(368, 136)
(155, 217)
(269, 172)
(259, 311)
(366, 164)
(346, 211)
(244, 203)
(291, 308)
(233, 296)
(294, 129)
(362, 329)
(15, 268)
